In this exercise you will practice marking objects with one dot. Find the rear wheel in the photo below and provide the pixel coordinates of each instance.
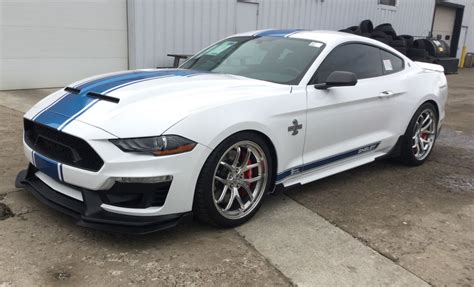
(420, 135)
(233, 181)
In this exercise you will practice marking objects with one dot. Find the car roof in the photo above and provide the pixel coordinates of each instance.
(295, 33)
(330, 38)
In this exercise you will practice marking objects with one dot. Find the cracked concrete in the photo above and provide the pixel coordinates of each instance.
(5, 211)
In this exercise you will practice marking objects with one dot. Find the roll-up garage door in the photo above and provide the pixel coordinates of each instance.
(52, 43)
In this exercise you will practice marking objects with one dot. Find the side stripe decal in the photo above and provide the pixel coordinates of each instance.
(48, 166)
(70, 106)
(315, 164)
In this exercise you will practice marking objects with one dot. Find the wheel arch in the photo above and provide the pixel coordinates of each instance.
(273, 154)
(435, 104)
(265, 136)
(198, 205)
(396, 150)
(425, 100)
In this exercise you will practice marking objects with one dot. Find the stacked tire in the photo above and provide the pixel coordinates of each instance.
(427, 50)
(423, 50)
(383, 33)
(417, 51)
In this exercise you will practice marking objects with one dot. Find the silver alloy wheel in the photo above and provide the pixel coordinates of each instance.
(424, 134)
(240, 179)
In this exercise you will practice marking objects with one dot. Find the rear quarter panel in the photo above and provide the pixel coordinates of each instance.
(422, 86)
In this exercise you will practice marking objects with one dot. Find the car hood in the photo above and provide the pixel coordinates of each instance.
(150, 105)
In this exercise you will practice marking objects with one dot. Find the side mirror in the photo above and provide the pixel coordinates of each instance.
(338, 79)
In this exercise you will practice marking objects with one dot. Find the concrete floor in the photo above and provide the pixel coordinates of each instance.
(382, 223)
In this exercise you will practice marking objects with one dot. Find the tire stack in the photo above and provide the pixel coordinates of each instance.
(422, 50)
(383, 33)
(418, 52)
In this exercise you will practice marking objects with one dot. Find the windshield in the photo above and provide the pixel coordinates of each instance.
(273, 59)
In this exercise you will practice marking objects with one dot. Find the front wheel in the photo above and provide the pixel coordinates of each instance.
(420, 135)
(234, 180)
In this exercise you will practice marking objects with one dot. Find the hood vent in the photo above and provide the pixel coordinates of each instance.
(103, 97)
(72, 90)
(99, 96)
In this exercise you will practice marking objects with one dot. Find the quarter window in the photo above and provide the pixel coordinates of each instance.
(391, 63)
(362, 60)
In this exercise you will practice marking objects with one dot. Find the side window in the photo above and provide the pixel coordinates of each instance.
(362, 60)
(391, 63)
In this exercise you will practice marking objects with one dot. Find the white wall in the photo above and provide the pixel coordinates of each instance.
(51, 43)
(186, 26)
(157, 28)
(469, 22)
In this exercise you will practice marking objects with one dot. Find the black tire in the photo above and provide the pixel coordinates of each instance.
(378, 34)
(416, 53)
(204, 208)
(419, 44)
(402, 50)
(400, 42)
(387, 29)
(366, 26)
(407, 156)
(409, 39)
(352, 30)
(381, 39)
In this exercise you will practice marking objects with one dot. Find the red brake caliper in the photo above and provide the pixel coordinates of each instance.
(247, 175)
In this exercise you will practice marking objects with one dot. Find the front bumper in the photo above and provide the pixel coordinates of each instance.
(88, 211)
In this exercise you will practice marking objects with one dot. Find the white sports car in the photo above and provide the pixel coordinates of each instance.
(134, 151)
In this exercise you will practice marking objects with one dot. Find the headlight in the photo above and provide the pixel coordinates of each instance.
(161, 145)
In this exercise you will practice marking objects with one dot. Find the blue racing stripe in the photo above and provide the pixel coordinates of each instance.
(328, 160)
(51, 119)
(60, 113)
(278, 33)
(47, 166)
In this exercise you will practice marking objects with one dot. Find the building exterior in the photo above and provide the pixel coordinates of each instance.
(453, 18)
(51, 43)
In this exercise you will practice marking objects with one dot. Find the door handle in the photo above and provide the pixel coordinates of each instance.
(386, 94)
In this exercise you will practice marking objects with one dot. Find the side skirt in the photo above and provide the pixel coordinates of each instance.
(338, 166)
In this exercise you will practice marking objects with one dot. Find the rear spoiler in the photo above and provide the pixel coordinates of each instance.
(430, 67)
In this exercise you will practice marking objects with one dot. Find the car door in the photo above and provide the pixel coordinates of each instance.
(343, 123)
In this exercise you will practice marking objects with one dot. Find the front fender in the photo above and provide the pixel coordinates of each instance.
(209, 131)
(269, 115)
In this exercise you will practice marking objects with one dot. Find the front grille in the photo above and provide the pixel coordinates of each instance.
(61, 147)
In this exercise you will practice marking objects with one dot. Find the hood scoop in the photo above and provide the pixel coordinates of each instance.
(72, 90)
(99, 96)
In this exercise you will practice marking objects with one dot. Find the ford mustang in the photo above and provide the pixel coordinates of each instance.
(135, 151)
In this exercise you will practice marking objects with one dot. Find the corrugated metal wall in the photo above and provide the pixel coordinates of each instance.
(186, 26)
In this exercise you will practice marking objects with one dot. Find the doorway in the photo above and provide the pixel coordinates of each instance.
(447, 23)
